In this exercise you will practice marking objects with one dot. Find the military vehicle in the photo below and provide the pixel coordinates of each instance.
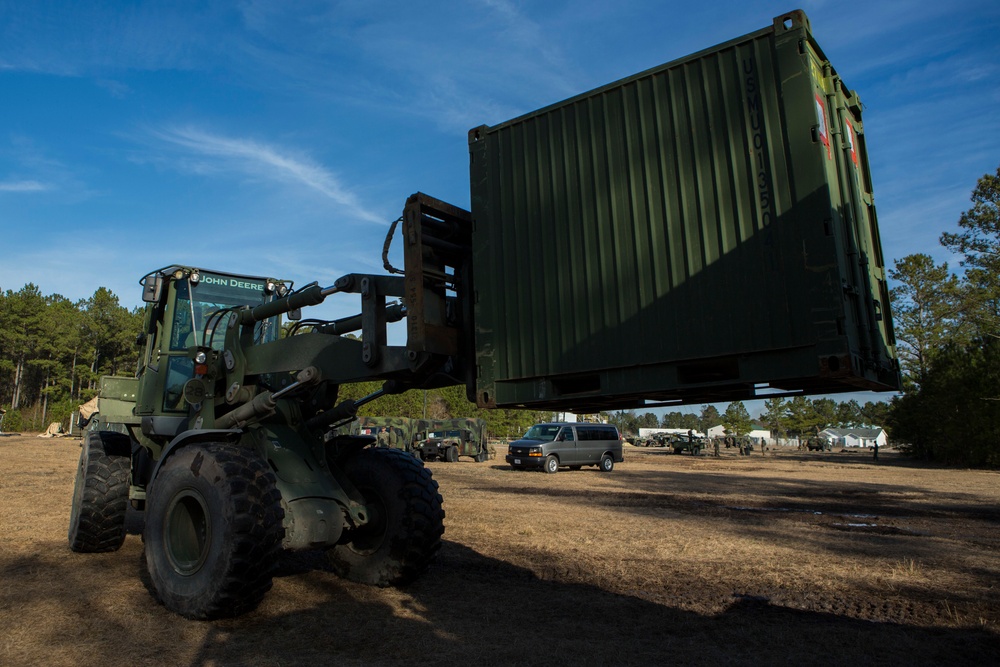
(655, 440)
(395, 432)
(732, 181)
(817, 444)
(447, 439)
(682, 442)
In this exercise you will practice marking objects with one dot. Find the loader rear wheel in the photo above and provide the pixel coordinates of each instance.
(405, 524)
(100, 496)
(213, 531)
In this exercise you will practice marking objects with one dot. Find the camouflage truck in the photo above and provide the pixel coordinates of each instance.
(393, 432)
(819, 444)
(685, 442)
(447, 439)
(655, 440)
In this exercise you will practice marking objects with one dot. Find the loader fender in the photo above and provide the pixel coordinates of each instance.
(194, 437)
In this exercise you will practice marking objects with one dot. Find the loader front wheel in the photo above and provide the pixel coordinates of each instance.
(100, 496)
(213, 531)
(405, 524)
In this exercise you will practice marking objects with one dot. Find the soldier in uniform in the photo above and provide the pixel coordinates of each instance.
(393, 438)
(382, 439)
(715, 444)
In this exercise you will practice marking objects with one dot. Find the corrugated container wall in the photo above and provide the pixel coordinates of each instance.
(689, 234)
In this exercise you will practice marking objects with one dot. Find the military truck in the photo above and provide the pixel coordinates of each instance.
(818, 444)
(448, 439)
(732, 181)
(394, 432)
(659, 439)
(655, 440)
(683, 442)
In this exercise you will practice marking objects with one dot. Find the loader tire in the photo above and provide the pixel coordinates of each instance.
(213, 531)
(405, 524)
(100, 495)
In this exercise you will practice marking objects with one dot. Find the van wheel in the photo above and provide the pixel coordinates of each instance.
(551, 464)
(607, 463)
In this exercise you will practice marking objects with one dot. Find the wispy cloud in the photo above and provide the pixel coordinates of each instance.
(23, 186)
(213, 153)
(368, 56)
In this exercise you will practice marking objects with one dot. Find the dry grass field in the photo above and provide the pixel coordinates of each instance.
(789, 558)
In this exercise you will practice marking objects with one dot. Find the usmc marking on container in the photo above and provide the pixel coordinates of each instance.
(758, 153)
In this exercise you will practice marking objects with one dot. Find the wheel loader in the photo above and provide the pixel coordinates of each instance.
(227, 437)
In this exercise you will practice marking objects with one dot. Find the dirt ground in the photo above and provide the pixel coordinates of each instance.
(789, 558)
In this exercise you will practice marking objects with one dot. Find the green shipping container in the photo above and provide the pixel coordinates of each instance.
(703, 231)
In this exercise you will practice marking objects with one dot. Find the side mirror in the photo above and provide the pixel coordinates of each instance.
(294, 315)
(152, 288)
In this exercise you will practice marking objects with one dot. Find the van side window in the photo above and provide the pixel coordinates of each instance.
(567, 434)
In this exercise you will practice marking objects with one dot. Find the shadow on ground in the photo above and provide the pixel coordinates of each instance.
(473, 609)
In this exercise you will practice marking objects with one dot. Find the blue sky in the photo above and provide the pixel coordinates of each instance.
(281, 138)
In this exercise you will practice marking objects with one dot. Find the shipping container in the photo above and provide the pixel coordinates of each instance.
(703, 231)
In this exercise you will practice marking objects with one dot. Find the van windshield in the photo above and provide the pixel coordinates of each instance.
(543, 432)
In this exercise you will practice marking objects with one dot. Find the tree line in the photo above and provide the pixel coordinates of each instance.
(53, 352)
(948, 340)
(785, 418)
(443, 403)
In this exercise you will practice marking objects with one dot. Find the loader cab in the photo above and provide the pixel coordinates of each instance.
(189, 308)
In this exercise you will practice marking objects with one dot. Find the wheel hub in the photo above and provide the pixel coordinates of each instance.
(187, 532)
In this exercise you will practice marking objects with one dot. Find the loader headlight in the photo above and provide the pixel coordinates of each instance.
(195, 277)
